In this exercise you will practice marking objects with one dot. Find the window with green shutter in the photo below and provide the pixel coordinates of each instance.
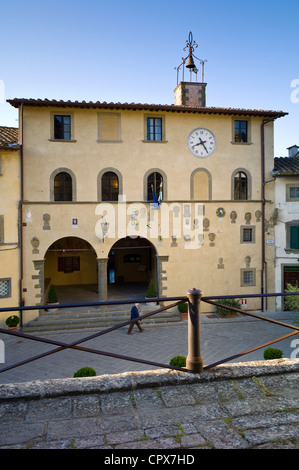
(294, 237)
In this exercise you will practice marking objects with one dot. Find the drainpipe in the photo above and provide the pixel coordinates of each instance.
(263, 183)
(21, 128)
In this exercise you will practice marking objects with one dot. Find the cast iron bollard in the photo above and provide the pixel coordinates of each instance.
(194, 361)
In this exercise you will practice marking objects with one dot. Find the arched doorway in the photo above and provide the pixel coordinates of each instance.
(132, 263)
(71, 265)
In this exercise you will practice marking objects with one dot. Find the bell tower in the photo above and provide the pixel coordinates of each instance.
(190, 93)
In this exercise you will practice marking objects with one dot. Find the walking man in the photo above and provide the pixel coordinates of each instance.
(135, 316)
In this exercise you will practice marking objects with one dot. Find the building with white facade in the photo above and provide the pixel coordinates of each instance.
(286, 220)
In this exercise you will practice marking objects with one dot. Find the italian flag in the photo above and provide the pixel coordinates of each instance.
(160, 198)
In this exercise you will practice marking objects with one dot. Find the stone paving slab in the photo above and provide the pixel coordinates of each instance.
(253, 405)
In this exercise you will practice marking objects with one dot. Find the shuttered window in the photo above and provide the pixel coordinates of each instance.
(294, 237)
(68, 264)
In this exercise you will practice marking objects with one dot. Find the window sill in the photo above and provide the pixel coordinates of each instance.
(101, 141)
(62, 202)
(62, 140)
(155, 141)
(241, 143)
(291, 250)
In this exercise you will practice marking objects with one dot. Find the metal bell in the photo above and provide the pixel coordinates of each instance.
(190, 63)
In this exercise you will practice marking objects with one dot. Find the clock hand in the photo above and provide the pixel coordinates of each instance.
(201, 143)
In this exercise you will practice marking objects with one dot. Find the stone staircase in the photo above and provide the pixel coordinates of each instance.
(91, 319)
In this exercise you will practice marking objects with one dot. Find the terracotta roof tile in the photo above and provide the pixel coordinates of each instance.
(286, 166)
(9, 138)
(17, 102)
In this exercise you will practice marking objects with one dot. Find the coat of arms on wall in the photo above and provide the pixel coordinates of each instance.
(220, 212)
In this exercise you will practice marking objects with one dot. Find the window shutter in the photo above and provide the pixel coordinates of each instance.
(294, 237)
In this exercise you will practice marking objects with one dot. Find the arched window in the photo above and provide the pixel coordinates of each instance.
(110, 186)
(154, 184)
(240, 186)
(63, 187)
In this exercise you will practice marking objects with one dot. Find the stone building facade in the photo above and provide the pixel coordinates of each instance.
(91, 174)
(10, 230)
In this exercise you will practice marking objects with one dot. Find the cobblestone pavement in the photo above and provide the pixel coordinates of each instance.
(248, 406)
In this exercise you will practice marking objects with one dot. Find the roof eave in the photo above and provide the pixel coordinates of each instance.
(9, 147)
(17, 102)
(281, 175)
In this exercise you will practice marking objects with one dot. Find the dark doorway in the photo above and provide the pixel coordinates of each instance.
(132, 263)
(290, 276)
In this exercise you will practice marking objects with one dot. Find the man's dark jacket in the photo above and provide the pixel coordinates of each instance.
(134, 313)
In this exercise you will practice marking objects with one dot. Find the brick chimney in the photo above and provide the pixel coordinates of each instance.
(293, 151)
(190, 94)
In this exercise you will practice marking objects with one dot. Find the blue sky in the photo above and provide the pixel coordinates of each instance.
(127, 51)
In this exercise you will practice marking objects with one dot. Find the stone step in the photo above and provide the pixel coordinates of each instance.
(102, 316)
(112, 309)
(72, 320)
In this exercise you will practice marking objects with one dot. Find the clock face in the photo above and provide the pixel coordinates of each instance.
(201, 142)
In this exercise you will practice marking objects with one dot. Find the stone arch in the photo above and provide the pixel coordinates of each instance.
(132, 263)
(70, 262)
